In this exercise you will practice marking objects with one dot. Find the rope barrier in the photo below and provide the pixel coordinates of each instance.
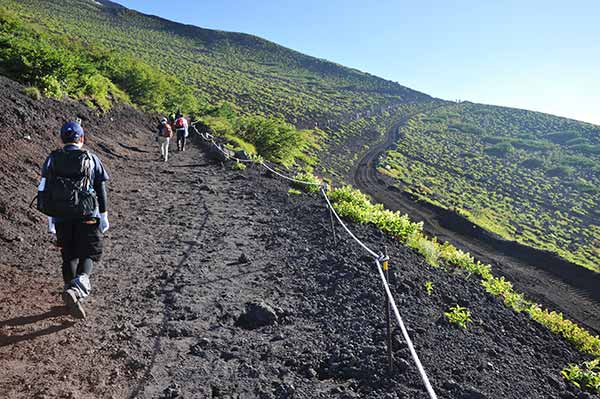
(409, 342)
(369, 250)
(378, 258)
(308, 183)
(210, 138)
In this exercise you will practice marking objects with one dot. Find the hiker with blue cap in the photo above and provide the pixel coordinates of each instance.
(72, 193)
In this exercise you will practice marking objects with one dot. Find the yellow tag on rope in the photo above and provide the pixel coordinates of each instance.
(385, 265)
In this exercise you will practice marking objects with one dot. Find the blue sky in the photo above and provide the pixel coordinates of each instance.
(533, 54)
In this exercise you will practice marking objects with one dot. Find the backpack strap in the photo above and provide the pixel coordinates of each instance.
(50, 171)
(88, 168)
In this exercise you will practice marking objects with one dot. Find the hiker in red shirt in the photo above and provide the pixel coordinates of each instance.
(181, 127)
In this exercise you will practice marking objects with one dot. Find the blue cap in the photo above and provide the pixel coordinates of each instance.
(71, 132)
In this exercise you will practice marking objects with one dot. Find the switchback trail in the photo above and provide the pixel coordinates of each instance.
(576, 293)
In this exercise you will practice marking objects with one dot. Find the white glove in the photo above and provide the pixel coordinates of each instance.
(51, 226)
(104, 222)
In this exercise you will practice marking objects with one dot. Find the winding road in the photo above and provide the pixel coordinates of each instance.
(573, 291)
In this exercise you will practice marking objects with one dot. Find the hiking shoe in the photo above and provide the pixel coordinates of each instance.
(73, 304)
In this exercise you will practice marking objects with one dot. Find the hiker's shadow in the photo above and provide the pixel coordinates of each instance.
(56, 311)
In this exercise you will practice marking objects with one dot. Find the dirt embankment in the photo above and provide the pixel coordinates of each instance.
(220, 284)
(543, 276)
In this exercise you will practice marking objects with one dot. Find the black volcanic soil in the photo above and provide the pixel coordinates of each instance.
(192, 246)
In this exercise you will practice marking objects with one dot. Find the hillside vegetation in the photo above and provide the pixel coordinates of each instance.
(259, 76)
(526, 176)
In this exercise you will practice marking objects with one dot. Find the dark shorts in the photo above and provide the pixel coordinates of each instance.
(180, 134)
(79, 240)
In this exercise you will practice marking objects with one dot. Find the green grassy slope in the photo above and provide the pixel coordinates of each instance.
(527, 176)
(256, 74)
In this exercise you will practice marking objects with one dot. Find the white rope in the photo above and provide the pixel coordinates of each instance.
(411, 347)
(369, 250)
(210, 139)
(308, 183)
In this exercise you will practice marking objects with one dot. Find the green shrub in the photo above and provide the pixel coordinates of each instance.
(532, 163)
(61, 66)
(458, 315)
(570, 331)
(294, 191)
(240, 145)
(428, 248)
(429, 287)
(563, 137)
(33, 92)
(355, 205)
(504, 289)
(585, 377)
(51, 87)
(238, 166)
(315, 185)
(500, 150)
(560, 171)
(273, 138)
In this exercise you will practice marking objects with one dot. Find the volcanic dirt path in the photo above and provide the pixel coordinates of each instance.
(577, 297)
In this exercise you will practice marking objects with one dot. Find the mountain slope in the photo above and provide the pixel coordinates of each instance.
(258, 75)
(527, 176)
(508, 170)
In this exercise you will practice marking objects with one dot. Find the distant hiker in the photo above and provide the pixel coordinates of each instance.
(164, 138)
(181, 127)
(72, 192)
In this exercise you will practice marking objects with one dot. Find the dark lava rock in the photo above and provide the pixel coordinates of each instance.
(243, 155)
(567, 395)
(257, 315)
(402, 365)
(218, 153)
(472, 393)
(451, 385)
(171, 392)
(243, 258)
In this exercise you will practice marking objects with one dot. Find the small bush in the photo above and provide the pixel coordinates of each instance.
(51, 87)
(560, 171)
(352, 203)
(315, 185)
(504, 289)
(532, 163)
(458, 315)
(585, 377)
(274, 138)
(428, 248)
(429, 287)
(238, 166)
(556, 323)
(500, 150)
(293, 191)
(33, 92)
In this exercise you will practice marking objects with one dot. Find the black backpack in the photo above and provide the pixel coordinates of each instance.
(67, 192)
